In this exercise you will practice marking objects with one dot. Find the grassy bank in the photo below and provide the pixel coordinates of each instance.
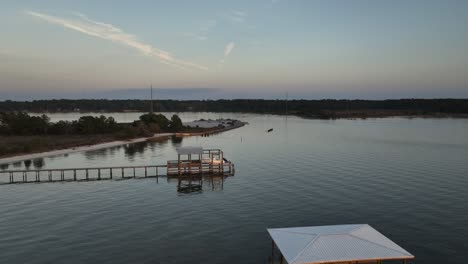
(18, 145)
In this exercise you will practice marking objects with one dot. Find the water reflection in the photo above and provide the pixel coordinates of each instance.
(4, 166)
(131, 150)
(190, 185)
(102, 153)
(38, 163)
(27, 164)
(196, 184)
(176, 141)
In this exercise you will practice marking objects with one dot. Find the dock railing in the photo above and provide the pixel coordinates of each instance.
(210, 161)
(81, 174)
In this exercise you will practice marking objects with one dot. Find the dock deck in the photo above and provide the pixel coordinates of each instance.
(199, 161)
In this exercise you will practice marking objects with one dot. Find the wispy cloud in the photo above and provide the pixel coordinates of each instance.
(117, 35)
(204, 29)
(236, 16)
(227, 50)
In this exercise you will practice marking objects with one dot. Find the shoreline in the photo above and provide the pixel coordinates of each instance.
(110, 144)
(327, 114)
(60, 152)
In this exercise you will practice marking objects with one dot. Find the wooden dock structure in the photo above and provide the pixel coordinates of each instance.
(81, 174)
(92, 174)
(210, 162)
(196, 160)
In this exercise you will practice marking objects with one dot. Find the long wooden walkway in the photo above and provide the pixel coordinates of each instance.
(82, 174)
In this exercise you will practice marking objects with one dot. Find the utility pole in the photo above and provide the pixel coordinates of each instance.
(151, 107)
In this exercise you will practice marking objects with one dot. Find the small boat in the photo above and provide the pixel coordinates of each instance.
(269, 130)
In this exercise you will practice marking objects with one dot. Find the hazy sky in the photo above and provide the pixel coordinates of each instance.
(265, 48)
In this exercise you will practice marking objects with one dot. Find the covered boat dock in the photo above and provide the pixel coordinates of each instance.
(337, 244)
(199, 161)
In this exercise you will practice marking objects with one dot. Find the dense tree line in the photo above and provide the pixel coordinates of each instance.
(21, 123)
(318, 108)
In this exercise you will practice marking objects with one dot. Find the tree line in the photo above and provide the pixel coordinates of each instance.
(23, 124)
(312, 108)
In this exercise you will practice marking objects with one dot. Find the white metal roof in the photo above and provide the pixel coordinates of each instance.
(189, 150)
(328, 244)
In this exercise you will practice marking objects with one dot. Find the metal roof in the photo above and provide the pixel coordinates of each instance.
(189, 150)
(328, 244)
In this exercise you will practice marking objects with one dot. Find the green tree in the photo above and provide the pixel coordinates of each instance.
(176, 123)
(158, 119)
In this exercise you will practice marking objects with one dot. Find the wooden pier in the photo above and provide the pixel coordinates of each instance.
(81, 174)
(208, 162)
(91, 174)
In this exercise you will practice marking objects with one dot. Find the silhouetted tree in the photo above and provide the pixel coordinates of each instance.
(158, 119)
(176, 123)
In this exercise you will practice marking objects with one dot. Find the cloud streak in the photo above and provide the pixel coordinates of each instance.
(236, 16)
(109, 32)
(227, 51)
(203, 30)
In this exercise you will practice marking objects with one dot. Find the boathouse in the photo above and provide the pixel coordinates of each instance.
(334, 244)
(199, 161)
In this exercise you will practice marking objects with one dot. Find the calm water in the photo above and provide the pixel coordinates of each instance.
(408, 178)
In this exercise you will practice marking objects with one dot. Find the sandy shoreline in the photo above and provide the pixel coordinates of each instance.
(79, 149)
(60, 152)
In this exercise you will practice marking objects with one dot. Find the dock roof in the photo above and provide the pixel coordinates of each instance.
(189, 150)
(334, 244)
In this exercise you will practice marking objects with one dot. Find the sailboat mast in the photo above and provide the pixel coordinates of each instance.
(151, 92)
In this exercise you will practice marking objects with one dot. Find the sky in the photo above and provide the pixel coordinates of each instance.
(312, 49)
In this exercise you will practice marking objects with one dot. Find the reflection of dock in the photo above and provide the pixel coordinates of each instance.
(191, 184)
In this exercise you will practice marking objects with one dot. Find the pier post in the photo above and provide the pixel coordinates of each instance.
(134, 175)
(122, 173)
(74, 175)
(50, 175)
(62, 175)
(25, 177)
(99, 174)
(11, 177)
(272, 250)
(37, 176)
(87, 174)
(146, 172)
(110, 173)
